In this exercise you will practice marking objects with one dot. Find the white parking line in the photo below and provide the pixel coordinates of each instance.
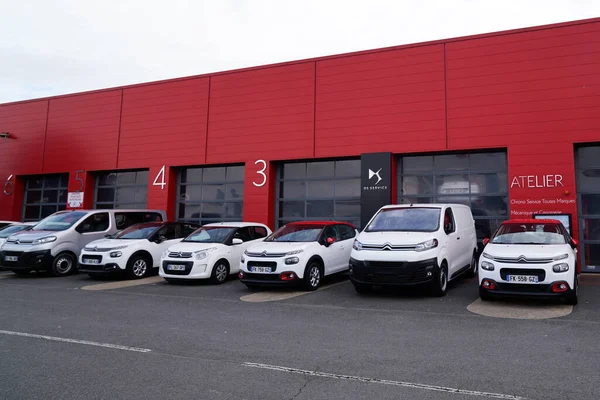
(123, 284)
(266, 295)
(76, 341)
(384, 382)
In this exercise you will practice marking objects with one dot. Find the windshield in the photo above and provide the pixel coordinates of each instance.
(210, 234)
(59, 222)
(413, 219)
(296, 233)
(529, 234)
(140, 231)
(9, 230)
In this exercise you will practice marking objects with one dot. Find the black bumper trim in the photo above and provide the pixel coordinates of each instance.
(520, 290)
(393, 273)
(99, 269)
(28, 260)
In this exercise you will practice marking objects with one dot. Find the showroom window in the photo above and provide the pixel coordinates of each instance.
(44, 195)
(587, 164)
(210, 194)
(123, 189)
(319, 190)
(479, 180)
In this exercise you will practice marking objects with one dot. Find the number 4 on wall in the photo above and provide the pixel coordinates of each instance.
(161, 176)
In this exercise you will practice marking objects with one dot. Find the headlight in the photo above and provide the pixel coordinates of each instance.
(202, 254)
(291, 253)
(430, 244)
(46, 239)
(561, 257)
(486, 255)
(488, 266)
(292, 260)
(562, 267)
(357, 245)
(116, 254)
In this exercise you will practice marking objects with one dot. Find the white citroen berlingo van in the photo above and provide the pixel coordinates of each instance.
(415, 244)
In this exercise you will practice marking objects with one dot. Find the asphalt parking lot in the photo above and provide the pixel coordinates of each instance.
(83, 338)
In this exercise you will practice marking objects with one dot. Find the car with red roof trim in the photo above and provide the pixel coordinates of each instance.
(299, 253)
(529, 257)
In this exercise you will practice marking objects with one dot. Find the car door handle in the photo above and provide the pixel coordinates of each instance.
(458, 238)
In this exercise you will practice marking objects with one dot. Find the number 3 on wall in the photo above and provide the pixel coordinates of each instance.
(261, 173)
(161, 176)
(9, 186)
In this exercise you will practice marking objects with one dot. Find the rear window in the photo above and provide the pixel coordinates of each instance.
(126, 219)
(529, 233)
(413, 219)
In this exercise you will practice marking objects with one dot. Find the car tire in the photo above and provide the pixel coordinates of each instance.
(484, 296)
(313, 275)
(63, 264)
(572, 297)
(362, 288)
(473, 269)
(22, 272)
(138, 267)
(219, 273)
(440, 285)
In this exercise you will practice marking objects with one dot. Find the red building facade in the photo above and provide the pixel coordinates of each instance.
(529, 96)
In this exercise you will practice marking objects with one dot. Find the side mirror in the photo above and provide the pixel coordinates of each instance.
(161, 239)
(236, 241)
(486, 241)
(329, 241)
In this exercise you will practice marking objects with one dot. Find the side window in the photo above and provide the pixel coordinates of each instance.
(331, 231)
(169, 232)
(346, 232)
(94, 223)
(449, 225)
(187, 229)
(243, 233)
(259, 232)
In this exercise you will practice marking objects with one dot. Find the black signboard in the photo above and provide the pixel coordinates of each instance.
(376, 184)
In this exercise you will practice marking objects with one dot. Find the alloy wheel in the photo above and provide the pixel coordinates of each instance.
(314, 276)
(221, 272)
(139, 267)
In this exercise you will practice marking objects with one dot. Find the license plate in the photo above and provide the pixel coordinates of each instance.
(175, 267)
(522, 279)
(90, 261)
(11, 258)
(261, 270)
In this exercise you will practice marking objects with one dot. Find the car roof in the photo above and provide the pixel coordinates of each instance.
(235, 224)
(326, 223)
(531, 221)
(128, 210)
(430, 205)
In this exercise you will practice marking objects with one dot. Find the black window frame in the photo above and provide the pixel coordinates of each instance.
(582, 214)
(118, 204)
(63, 186)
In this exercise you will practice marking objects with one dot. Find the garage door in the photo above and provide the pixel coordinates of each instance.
(319, 190)
(123, 189)
(479, 180)
(587, 162)
(210, 194)
(44, 195)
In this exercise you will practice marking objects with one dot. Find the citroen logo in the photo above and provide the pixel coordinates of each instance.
(17, 241)
(264, 253)
(387, 246)
(522, 259)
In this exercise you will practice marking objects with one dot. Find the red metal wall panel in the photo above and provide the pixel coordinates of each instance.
(386, 101)
(83, 132)
(262, 114)
(165, 122)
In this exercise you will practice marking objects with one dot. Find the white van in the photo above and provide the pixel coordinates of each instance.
(415, 244)
(55, 242)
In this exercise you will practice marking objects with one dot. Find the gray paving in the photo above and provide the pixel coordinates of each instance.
(201, 336)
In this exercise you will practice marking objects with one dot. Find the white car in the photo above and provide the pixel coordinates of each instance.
(211, 252)
(536, 258)
(416, 244)
(299, 253)
(14, 227)
(135, 250)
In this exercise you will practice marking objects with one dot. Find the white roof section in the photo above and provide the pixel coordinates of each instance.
(430, 205)
(234, 224)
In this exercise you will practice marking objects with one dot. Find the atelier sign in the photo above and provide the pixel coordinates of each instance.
(537, 181)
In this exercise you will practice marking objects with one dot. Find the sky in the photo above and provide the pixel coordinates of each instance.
(64, 46)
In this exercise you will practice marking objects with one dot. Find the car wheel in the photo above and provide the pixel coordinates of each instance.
(22, 272)
(220, 272)
(63, 264)
(138, 267)
(440, 285)
(473, 270)
(312, 276)
(362, 288)
(484, 296)
(572, 297)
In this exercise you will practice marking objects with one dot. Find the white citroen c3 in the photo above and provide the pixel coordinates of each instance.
(533, 258)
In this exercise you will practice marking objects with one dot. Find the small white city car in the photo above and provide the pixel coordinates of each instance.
(15, 227)
(135, 250)
(407, 245)
(536, 258)
(299, 253)
(211, 252)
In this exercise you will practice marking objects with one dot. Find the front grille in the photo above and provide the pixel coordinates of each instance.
(386, 264)
(97, 249)
(540, 273)
(520, 288)
(393, 272)
(388, 247)
(12, 253)
(522, 260)
(180, 254)
(271, 264)
(188, 267)
(261, 277)
(265, 254)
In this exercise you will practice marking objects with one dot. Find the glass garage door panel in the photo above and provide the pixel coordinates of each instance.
(318, 190)
(121, 190)
(210, 194)
(587, 164)
(479, 180)
(44, 195)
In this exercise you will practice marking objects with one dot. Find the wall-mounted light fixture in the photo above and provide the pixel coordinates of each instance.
(4, 135)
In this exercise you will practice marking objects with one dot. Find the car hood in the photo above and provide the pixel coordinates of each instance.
(2, 240)
(192, 247)
(395, 238)
(278, 247)
(527, 250)
(112, 243)
(30, 236)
